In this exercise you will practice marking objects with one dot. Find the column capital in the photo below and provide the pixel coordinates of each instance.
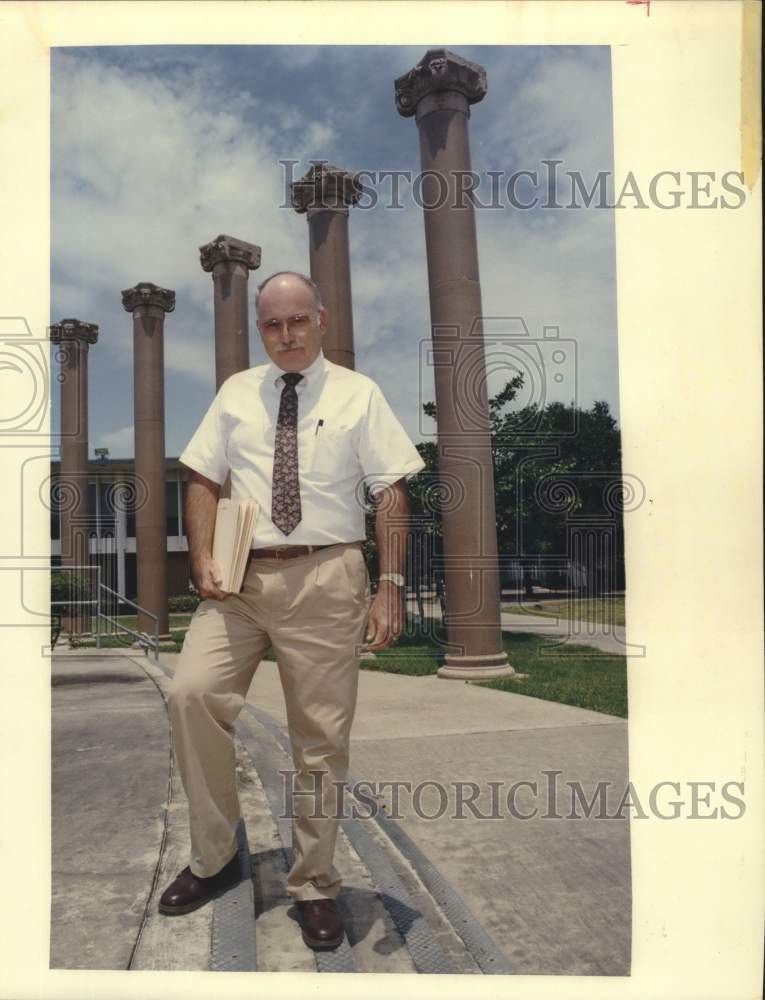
(229, 248)
(439, 70)
(73, 329)
(326, 187)
(145, 293)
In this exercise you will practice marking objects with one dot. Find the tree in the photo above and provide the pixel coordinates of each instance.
(564, 448)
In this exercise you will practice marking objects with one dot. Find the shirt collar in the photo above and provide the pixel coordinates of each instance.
(316, 367)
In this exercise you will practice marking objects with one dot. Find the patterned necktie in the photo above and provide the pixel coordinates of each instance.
(285, 486)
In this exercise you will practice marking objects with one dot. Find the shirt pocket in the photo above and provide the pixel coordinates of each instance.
(332, 455)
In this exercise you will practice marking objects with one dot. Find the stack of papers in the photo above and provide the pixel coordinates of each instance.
(234, 527)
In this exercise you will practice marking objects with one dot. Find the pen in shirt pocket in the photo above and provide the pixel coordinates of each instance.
(320, 424)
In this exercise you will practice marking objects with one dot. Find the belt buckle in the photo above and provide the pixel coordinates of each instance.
(279, 549)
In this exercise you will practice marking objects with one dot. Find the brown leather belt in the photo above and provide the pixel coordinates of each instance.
(288, 551)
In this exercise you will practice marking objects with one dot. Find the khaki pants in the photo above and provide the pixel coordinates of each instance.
(312, 609)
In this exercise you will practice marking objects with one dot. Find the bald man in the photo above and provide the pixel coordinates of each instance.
(302, 436)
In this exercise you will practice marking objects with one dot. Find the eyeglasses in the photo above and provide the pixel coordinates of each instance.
(298, 323)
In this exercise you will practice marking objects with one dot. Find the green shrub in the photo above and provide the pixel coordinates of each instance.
(184, 602)
(68, 587)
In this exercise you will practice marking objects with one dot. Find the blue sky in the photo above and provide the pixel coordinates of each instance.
(158, 149)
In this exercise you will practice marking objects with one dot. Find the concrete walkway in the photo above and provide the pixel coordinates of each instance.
(607, 638)
(111, 751)
(433, 882)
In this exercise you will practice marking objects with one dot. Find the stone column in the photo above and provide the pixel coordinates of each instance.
(73, 338)
(439, 91)
(148, 304)
(230, 261)
(324, 195)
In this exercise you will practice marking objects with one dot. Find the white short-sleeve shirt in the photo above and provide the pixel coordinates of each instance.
(348, 436)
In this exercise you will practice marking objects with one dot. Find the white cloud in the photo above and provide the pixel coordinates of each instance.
(577, 294)
(120, 442)
(157, 156)
(146, 174)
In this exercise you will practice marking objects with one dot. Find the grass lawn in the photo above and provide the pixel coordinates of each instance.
(123, 640)
(602, 610)
(574, 675)
(178, 619)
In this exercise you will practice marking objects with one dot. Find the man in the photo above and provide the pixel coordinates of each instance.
(301, 435)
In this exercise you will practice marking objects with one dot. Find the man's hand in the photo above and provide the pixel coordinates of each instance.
(386, 617)
(199, 516)
(207, 579)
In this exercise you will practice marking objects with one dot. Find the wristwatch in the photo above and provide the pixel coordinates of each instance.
(396, 578)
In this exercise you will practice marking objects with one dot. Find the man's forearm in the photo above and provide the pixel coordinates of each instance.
(392, 529)
(199, 513)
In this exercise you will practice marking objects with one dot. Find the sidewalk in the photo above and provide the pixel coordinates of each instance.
(489, 893)
(608, 638)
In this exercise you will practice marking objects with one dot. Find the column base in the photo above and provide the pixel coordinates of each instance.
(477, 668)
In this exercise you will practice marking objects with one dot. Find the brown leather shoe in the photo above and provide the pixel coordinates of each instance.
(321, 922)
(189, 891)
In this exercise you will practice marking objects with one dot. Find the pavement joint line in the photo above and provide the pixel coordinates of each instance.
(495, 732)
(341, 958)
(163, 839)
(427, 954)
(233, 946)
(420, 864)
(483, 949)
(485, 952)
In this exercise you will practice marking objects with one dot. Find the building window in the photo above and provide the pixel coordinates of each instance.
(92, 511)
(171, 507)
(130, 504)
(107, 520)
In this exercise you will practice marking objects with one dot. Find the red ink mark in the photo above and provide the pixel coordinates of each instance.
(637, 3)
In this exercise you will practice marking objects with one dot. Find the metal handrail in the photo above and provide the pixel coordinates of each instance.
(143, 638)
